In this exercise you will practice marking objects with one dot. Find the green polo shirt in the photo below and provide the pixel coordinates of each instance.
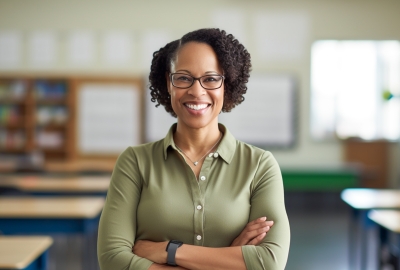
(154, 195)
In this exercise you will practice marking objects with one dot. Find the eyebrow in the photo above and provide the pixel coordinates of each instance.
(207, 72)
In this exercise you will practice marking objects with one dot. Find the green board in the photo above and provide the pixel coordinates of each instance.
(320, 179)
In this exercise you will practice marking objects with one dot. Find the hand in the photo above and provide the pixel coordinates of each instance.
(253, 233)
(153, 251)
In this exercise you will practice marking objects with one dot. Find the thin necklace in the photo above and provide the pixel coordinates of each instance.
(197, 162)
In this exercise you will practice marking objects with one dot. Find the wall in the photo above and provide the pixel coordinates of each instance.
(338, 19)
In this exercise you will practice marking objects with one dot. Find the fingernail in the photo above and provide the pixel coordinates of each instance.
(263, 218)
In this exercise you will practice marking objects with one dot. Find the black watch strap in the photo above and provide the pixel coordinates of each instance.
(172, 246)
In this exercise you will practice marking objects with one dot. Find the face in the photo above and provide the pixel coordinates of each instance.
(195, 106)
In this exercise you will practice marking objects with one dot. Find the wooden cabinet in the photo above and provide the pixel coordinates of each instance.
(373, 157)
(36, 114)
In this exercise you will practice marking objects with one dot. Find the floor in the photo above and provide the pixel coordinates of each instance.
(319, 232)
(319, 236)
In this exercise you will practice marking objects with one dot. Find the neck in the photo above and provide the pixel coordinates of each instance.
(196, 141)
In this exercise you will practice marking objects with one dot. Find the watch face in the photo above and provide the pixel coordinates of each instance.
(176, 242)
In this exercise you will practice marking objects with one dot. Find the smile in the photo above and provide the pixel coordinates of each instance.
(197, 107)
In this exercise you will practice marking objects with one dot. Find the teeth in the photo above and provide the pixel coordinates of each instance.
(196, 107)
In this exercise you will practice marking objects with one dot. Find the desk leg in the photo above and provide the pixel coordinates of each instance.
(43, 260)
(383, 247)
(397, 267)
(366, 226)
(353, 238)
(358, 239)
(89, 259)
(363, 240)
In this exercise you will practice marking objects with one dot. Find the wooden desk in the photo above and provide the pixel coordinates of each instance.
(50, 207)
(388, 221)
(51, 215)
(361, 200)
(58, 185)
(366, 199)
(24, 252)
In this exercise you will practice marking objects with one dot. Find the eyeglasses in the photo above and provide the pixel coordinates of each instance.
(209, 82)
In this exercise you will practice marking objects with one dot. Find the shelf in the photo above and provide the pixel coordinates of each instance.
(52, 126)
(18, 125)
(13, 150)
(12, 101)
(59, 150)
(51, 102)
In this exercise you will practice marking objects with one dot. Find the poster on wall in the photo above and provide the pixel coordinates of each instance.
(117, 48)
(43, 49)
(81, 48)
(10, 49)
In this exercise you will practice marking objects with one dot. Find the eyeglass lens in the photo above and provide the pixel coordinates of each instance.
(185, 81)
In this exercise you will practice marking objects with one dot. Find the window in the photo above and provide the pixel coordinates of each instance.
(355, 89)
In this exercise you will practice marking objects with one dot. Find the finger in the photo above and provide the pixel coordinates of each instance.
(249, 235)
(257, 240)
(257, 226)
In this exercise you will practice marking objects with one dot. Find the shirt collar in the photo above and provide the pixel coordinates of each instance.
(226, 148)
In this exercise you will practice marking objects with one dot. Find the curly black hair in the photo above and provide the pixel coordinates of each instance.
(232, 56)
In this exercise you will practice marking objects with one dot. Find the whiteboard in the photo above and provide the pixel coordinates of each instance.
(266, 117)
(108, 117)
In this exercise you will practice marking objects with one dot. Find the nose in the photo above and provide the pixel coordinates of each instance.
(196, 89)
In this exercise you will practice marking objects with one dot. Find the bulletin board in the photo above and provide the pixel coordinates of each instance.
(109, 116)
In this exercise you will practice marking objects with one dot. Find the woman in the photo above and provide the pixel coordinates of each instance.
(197, 199)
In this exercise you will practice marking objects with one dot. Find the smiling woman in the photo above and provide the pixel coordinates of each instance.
(199, 198)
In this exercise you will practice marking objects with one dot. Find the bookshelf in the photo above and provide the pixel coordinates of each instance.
(36, 115)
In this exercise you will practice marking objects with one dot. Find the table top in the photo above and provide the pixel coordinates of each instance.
(17, 252)
(57, 184)
(365, 198)
(51, 207)
(389, 219)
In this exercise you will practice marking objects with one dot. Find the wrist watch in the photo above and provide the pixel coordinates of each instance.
(171, 249)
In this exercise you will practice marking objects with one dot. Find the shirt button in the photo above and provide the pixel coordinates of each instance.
(198, 237)
(199, 207)
(203, 178)
(215, 155)
(211, 154)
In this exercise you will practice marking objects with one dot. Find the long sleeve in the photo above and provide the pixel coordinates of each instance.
(117, 227)
(267, 199)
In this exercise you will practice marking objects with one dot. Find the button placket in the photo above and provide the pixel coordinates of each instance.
(199, 202)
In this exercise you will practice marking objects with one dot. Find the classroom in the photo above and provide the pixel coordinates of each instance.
(323, 98)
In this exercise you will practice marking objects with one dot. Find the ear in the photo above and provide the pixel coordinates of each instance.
(167, 78)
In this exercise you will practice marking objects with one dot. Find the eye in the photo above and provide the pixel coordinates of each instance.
(182, 78)
(211, 79)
